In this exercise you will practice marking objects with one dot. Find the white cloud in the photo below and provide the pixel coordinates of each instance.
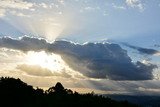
(44, 5)
(91, 8)
(2, 12)
(19, 14)
(135, 4)
(10, 5)
(118, 7)
(15, 4)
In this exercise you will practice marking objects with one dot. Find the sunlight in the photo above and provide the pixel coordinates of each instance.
(45, 27)
(50, 61)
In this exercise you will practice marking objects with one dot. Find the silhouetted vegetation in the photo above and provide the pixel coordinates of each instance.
(15, 93)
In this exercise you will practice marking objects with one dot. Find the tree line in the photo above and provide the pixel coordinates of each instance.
(16, 93)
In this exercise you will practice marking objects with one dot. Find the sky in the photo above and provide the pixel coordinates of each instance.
(108, 46)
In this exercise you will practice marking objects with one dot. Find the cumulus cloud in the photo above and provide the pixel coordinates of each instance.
(135, 4)
(103, 61)
(143, 50)
(94, 60)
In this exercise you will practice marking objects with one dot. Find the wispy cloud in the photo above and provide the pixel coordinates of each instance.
(143, 50)
(118, 6)
(135, 4)
(36, 70)
(48, 19)
(157, 45)
(9, 5)
(2, 12)
(15, 4)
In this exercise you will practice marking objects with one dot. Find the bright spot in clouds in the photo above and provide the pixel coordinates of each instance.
(52, 61)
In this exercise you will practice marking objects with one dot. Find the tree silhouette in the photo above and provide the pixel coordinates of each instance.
(59, 88)
(16, 93)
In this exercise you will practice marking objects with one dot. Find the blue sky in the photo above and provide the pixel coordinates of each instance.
(132, 22)
(90, 20)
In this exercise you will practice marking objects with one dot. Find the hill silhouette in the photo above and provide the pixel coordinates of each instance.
(16, 93)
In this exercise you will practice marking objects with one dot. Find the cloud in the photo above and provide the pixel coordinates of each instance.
(118, 7)
(143, 50)
(128, 87)
(24, 44)
(9, 5)
(15, 4)
(157, 45)
(94, 60)
(44, 5)
(26, 16)
(135, 4)
(36, 70)
(19, 14)
(103, 61)
(45, 18)
(2, 12)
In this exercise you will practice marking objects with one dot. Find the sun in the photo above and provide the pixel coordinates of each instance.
(52, 61)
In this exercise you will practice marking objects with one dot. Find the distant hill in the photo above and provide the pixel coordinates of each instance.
(16, 93)
(143, 100)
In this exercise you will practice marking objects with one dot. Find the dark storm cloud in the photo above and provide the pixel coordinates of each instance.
(143, 50)
(94, 60)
